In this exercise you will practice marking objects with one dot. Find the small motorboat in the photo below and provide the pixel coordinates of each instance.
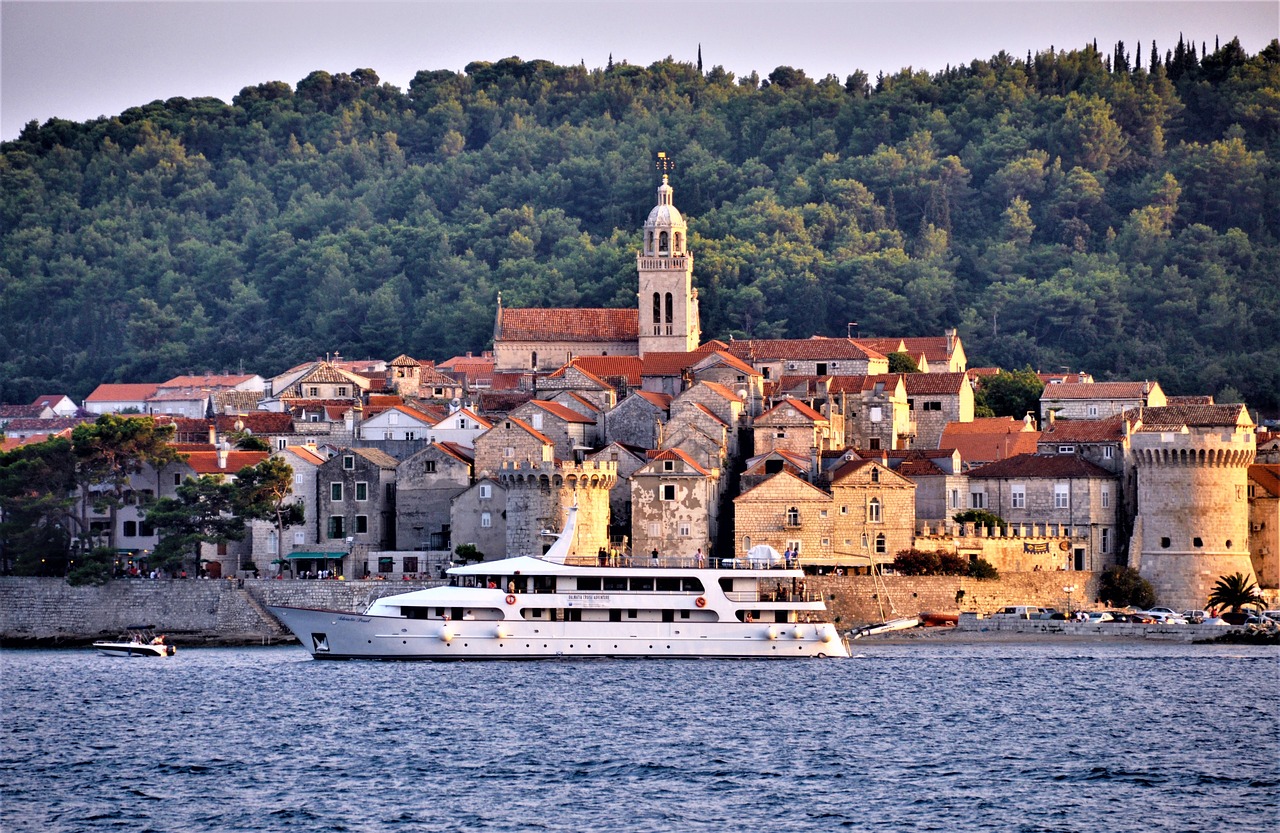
(138, 641)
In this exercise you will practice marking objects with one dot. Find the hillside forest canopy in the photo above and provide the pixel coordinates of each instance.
(1112, 212)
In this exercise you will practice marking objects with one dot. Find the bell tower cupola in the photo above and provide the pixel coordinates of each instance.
(669, 320)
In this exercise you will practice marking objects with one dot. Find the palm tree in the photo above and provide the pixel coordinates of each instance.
(1235, 592)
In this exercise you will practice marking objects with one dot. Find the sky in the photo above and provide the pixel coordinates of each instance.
(81, 60)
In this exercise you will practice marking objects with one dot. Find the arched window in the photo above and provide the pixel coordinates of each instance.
(881, 549)
(657, 308)
(793, 516)
(670, 309)
(678, 241)
(662, 243)
(873, 510)
(746, 543)
(875, 475)
(533, 360)
(649, 248)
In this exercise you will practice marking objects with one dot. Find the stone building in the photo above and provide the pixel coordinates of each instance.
(511, 440)
(1264, 522)
(1058, 489)
(793, 426)
(935, 400)
(356, 504)
(763, 466)
(873, 514)
(426, 485)
(1098, 400)
(988, 439)
(627, 459)
(816, 356)
(1192, 524)
(569, 431)
(876, 413)
(674, 505)
(478, 516)
(785, 511)
(638, 419)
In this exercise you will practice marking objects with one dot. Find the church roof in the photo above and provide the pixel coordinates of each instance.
(801, 349)
(569, 325)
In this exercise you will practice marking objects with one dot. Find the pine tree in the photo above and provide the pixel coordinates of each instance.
(609, 66)
(1155, 57)
(699, 59)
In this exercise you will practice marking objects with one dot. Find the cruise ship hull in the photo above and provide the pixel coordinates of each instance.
(329, 634)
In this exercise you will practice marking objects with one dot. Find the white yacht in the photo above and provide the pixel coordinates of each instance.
(548, 606)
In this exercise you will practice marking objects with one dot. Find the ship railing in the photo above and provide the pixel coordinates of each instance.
(777, 594)
(672, 561)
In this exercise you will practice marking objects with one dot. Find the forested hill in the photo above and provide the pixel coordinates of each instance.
(1117, 213)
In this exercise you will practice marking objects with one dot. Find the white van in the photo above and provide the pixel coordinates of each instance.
(1017, 612)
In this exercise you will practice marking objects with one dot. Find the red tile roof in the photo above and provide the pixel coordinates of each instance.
(984, 440)
(562, 411)
(1042, 465)
(538, 435)
(801, 408)
(1266, 475)
(206, 462)
(206, 381)
(1192, 416)
(661, 401)
(310, 455)
(801, 349)
(569, 324)
(677, 454)
(729, 360)
(934, 384)
(1077, 431)
(122, 393)
(1097, 390)
(606, 368)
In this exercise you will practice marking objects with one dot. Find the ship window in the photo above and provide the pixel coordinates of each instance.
(615, 616)
(631, 614)
(692, 585)
(668, 615)
(573, 615)
(642, 585)
(667, 585)
(615, 584)
(684, 614)
(589, 582)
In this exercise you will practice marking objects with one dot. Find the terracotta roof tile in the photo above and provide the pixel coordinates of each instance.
(206, 462)
(1042, 465)
(1193, 416)
(206, 381)
(122, 393)
(1096, 390)
(1266, 475)
(935, 384)
(1107, 430)
(677, 454)
(800, 408)
(570, 324)
(608, 368)
(801, 349)
(661, 401)
(562, 412)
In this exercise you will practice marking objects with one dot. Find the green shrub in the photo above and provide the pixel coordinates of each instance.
(1123, 587)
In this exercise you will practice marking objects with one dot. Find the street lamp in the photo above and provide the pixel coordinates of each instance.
(849, 328)
(1069, 589)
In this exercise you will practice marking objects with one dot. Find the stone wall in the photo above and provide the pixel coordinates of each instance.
(857, 600)
(48, 609)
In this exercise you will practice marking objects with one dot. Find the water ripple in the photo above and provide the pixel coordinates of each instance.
(1043, 739)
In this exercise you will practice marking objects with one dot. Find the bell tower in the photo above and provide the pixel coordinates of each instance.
(669, 320)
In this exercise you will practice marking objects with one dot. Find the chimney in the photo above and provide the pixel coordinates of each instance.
(213, 434)
(951, 340)
(1053, 418)
(223, 449)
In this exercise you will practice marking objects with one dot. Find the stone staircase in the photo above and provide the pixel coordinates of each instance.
(274, 630)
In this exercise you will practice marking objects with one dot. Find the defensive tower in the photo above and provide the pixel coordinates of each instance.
(1192, 524)
(539, 495)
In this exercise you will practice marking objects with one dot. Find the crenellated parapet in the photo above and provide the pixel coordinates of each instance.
(559, 474)
(1233, 458)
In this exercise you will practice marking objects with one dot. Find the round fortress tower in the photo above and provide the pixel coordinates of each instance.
(1192, 524)
(540, 494)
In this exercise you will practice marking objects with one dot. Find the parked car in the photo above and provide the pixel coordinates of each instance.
(1196, 617)
(1164, 616)
(1017, 612)
(1273, 615)
(1050, 613)
(1098, 616)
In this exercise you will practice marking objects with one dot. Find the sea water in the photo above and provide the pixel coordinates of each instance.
(932, 736)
